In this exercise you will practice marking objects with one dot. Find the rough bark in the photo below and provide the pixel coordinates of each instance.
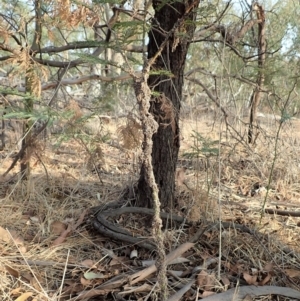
(2, 125)
(30, 84)
(166, 86)
(257, 92)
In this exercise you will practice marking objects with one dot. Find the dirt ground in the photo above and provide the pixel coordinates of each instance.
(49, 251)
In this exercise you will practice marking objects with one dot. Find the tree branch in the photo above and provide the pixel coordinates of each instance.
(88, 44)
(38, 27)
(5, 47)
(228, 37)
(210, 95)
(80, 80)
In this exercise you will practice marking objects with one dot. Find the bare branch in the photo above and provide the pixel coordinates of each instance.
(205, 29)
(229, 38)
(80, 80)
(59, 64)
(86, 44)
(210, 95)
(6, 48)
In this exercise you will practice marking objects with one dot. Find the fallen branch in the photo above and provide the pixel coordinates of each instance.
(137, 277)
(238, 294)
(182, 291)
(282, 212)
(268, 210)
(119, 281)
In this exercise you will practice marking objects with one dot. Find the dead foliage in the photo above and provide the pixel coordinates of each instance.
(131, 133)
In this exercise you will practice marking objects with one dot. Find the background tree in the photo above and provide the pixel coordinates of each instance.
(44, 45)
(61, 39)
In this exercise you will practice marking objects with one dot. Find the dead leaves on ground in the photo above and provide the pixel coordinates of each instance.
(24, 296)
(14, 252)
(123, 274)
(252, 276)
(71, 228)
(293, 273)
(12, 238)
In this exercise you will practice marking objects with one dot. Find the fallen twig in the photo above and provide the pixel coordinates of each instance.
(238, 294)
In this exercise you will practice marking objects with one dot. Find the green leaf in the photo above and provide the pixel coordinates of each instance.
(285, 117)
(92, 275)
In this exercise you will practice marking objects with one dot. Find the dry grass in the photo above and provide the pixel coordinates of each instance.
(30, 263)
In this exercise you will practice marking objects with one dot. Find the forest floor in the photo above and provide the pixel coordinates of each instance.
(49, 251)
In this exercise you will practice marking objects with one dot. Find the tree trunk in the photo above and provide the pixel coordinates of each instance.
(32, 87)
(166, 86)
(27, 126)
(257, 92)
(2, 124)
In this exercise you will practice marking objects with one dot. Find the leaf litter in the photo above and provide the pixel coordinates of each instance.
(57, 256)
